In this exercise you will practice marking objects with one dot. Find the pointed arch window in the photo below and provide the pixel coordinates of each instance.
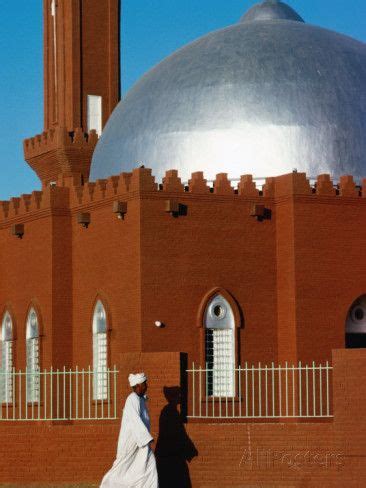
(219, 325)
(6, 379)
(100, 363)
(32, 351)
(356, 324)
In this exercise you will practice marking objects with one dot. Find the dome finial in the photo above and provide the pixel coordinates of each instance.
(271, 10)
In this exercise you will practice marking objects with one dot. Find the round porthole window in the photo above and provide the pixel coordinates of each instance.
(218, 311)
(358, 314)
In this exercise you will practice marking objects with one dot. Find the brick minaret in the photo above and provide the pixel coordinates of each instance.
(81, 85)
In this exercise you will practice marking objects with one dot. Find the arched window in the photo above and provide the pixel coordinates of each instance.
(100, 387)
(356, 324)
(219, 325)
(6, 379)
(32, 338)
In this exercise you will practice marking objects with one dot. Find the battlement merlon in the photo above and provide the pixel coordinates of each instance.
(59, 152)
(66, 193)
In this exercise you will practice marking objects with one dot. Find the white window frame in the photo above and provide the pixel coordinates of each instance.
(94, 113)
(220, 348)
(6, 366)
(100, 352)
(33, 361)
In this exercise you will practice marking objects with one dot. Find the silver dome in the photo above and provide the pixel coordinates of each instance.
(260, 97)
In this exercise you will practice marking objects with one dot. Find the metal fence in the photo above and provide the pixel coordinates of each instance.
(271, 392)
(58, 395)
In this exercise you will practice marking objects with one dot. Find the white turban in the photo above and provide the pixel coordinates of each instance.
(136, 379)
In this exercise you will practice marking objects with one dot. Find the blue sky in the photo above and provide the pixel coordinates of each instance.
(151, 29)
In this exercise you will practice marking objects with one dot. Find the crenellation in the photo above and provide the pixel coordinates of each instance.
(76, 195)
(14, 207)
(172, 182)
(124, 183)
(36, 200)
(198, 184)
(142, 180)
(292, 184)
(347, 187)
(59, 136)
(69, 192)
(118, 184)
(222, 185)
(4, 209)
(100, 189)
(88, 193)
(25, 203)
(247, 187)
(269, 187)
(111, 186)
(324, 185)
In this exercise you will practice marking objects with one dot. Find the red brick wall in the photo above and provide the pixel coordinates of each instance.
(82, 451)
(293, 276)
(301, 454)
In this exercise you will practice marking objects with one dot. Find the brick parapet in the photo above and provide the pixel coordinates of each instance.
(60, 152)
(68, 194)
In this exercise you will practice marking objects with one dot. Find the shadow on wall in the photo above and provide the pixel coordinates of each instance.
(174, 449)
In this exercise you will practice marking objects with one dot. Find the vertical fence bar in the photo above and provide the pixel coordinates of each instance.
(1, 399)
(89, 393)
(95, 391)
(286, 385)
(314, 400)
(327, 366)
(20, 395)
(212, 396)
(253, 396)
(13, 393)
(320, 390)
(260, 389)
(51, 392)
(109, 392)
(300, 392)
(115, 391)
(266, 387)
(273, 392)
(45, 393)
(193, 392)
(70, 394)
(77, 392)
(5, 382)
(64, 391)
(307, 389)
(293, 390)
(206, 385)
(233, 392)
(279, 390)
(239, 390)
(26, 392)
(83, 393)
(246, 389)
(200, 391)
(58, 394)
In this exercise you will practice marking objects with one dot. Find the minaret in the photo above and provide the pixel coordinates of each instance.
(81, 85)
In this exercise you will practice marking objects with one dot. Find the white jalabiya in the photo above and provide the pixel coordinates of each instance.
(135, 465)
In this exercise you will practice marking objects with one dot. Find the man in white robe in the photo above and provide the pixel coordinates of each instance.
(135, 465)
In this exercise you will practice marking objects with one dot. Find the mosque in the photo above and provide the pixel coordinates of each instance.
(208, 228)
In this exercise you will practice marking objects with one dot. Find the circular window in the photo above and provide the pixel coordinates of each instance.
(218, 311)
(358, 314)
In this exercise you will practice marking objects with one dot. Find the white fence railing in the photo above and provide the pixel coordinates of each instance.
(58, 395)
(271, 392)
